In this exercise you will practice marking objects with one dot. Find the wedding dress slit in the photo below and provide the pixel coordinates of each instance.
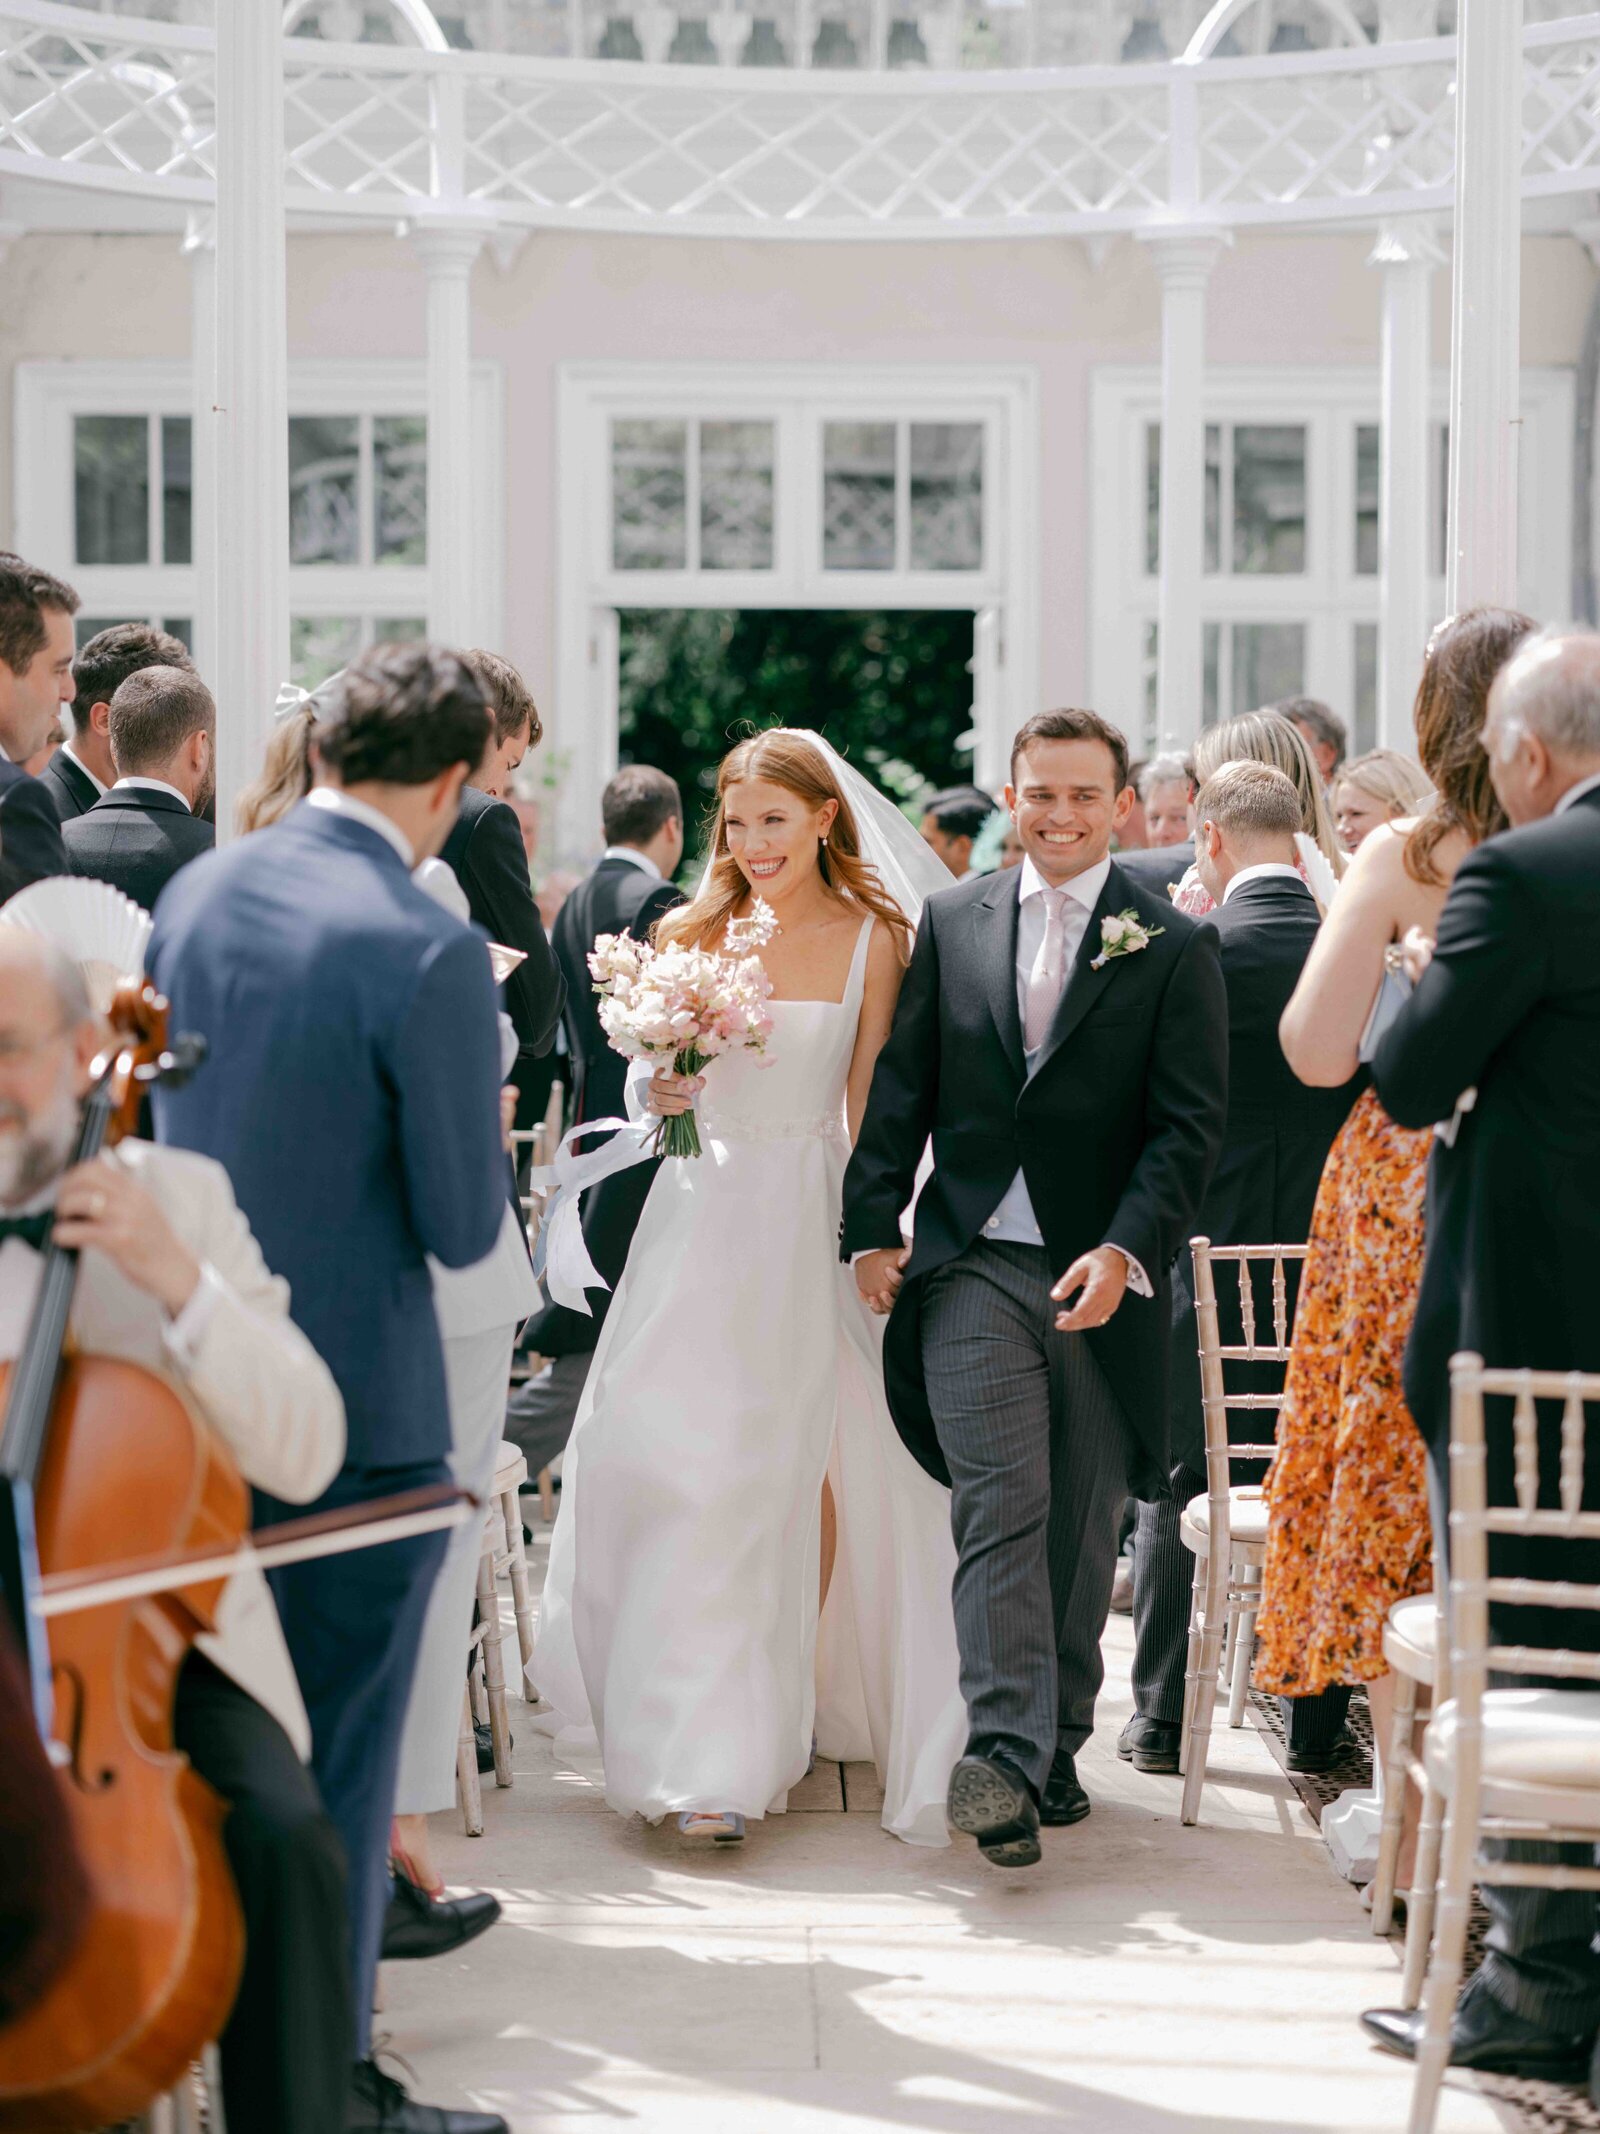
(680, 1640)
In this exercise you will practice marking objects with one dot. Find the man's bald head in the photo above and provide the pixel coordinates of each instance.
(1542, 731)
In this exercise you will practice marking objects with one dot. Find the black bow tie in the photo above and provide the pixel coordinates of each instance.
(32, 1229)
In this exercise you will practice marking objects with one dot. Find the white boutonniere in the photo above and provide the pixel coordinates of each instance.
(1123, 933)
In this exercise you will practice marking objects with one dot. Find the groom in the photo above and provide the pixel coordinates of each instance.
(1073, 1076)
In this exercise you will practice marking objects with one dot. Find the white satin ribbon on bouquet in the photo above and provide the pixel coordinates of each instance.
(560, 1256)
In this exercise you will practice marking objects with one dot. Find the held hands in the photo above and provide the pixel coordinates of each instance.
(879, 1276)
(99, 1208)
(670, 1095)
(1103, 1275)
(1416, 953)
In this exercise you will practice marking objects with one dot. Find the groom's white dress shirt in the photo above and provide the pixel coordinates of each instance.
(1014, 1222)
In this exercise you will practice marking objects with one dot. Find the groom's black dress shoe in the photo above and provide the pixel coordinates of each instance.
(1150, 1744)
(419, 1925)
(378, 2105)
(1064, 1799)
(991, 1802)
(1489, 2038)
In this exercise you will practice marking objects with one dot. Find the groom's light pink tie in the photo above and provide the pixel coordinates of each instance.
(1045, 979)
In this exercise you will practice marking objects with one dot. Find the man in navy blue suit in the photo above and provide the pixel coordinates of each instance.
(36, 614)
(352, 1092)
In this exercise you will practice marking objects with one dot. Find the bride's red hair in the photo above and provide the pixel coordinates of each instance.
(788, 757)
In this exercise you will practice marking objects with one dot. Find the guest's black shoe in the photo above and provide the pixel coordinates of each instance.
(1310, 1762)
(419, 1925)
(1488, 2038)
(1064, 1799)
(1150, 1744)
(483, 1736)
(378, 2105)
(991, 1802)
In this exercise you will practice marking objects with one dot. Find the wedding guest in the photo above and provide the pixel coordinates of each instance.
(1134, 835)
(950, 822)
(285, 774)
(1166, 787)
(486, 854)
(45, 754)
(82, 769)
(1379, 787)
(1322, 730)
(171, 1278)
(36, 614)
(351, 1091)
(1348, 1532)
(1262, 1192)
(631, 887)
(1508, 1005)
(1268, 737)
(163, 731)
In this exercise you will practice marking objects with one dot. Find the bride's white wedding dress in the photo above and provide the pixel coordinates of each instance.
(737, 1367)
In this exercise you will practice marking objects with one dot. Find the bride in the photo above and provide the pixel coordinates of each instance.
(749, 1570)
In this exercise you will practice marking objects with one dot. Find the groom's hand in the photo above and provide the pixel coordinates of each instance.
(879, 1276)
(1103, 1275)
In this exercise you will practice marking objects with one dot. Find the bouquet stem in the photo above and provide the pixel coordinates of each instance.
(680, 1136)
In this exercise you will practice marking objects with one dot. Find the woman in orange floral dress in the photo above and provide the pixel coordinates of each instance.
(1348, 1531)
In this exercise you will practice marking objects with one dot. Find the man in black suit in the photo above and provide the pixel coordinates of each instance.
(487, 855)
(1508, 1006)
(641, 812)
(1262, 1192)
(1062, 1036)
(81, 770)
(36, 614)
(952, 820)
(163, 731)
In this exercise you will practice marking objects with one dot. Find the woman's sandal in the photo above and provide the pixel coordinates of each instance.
(724, 1829)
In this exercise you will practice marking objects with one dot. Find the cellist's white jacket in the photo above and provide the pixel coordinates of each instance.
(241, 1359)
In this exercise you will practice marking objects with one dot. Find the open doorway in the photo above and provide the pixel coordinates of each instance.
(891, 689)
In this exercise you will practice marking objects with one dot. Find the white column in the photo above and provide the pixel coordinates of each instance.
(1184, 263)
(250, 651)
(200, 249)
(447, 251)
(1485, 309)
(1407, 254)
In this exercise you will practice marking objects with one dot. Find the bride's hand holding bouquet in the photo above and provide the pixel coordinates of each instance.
(684, 1006)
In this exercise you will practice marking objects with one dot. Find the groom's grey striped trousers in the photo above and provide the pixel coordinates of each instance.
(1036, 1447)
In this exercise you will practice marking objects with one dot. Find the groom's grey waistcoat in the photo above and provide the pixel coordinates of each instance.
(1116, 1131)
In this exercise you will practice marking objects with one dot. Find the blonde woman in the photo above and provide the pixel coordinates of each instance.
(683, 1632)
(1268, 737)
(284, 778)
(1381, 786)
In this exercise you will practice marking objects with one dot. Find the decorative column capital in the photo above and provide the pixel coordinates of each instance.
(1587, 232)
(448, 248)
(1407, 241)
(1184, 256)
(199, 232)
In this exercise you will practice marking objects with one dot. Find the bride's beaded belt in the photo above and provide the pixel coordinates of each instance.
(825, 1126)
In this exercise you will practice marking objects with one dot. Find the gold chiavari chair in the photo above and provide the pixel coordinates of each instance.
(1511, 1763)
(1226, 1529)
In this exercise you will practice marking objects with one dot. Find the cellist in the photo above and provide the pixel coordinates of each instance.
(171, 1278)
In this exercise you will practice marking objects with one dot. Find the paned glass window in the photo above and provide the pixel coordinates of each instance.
(1368, 468)
(649, 495)
(177, 491)
(946, 496)
(1364, 694)
(86, 626)
(319, 645)
(1255, 484)
(858, 496)
(324, 489)
(121, 466)
(736, 495)
(400, 489)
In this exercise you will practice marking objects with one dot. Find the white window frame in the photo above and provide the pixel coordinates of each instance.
(1329, 596)
(48, 395)
(798, 400)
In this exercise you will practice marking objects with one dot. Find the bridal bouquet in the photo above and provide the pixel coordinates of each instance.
(685, 1005)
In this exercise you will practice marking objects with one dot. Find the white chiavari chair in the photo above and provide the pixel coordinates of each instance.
(1226, 1529)
(1510, 1763)
(1415, 1648)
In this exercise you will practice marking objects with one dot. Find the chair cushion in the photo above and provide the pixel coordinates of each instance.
(1410, 1636)
(510, 1468)
(1547, 1739)
(1247, 1518)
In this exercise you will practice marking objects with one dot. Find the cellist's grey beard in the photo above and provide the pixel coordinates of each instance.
(36, 1155)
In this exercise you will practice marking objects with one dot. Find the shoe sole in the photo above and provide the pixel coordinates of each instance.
(983, 1806)
(1165, 1766)
(1567, 2074)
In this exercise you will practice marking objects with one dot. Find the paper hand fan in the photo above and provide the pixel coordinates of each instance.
(104, 932)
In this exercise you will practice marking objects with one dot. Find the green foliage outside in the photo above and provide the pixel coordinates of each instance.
(892, 691)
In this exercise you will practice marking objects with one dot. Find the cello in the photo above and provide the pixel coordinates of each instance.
(95, 1455)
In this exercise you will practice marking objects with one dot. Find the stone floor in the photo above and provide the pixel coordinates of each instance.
(1145, 1978)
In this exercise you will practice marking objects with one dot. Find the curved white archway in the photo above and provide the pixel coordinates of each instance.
(415, 15)
(1221, 17)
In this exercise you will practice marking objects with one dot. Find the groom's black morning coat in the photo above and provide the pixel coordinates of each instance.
(1116, 1131)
